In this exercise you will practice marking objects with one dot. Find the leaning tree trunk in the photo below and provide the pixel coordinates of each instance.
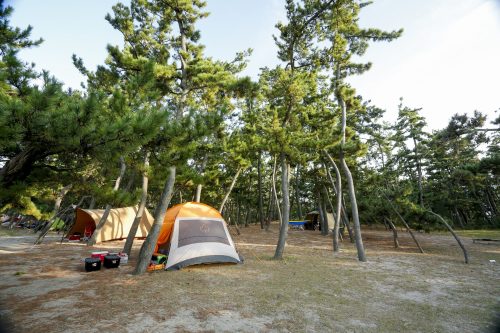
(394, 232)
(102, 221)
(221, 208)
(123, 167)
(149, 244)
(49, 224)
(98, 228)
(127, 248)
(466, 256)
(354, 209)
(261, 200)
(338, 193)
(286, 208)
(350, 185)
(404, 222)
(60, 197)
(19, 167)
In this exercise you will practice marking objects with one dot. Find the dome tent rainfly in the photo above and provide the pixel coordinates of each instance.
(195, 233)
(117, 225)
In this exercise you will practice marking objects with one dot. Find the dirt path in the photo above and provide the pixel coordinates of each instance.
(45, 288)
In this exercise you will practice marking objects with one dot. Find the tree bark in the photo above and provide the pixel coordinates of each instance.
(123, 167)
(149, 244)
(275, 193)
(47, 227)
(127, 248)
(259, 184)
(297, 191)
(324, 230)
(200, 186)
(98, 228)
(221, 209)
(404, 222)
(394, 232)
(419, 172)
(338, 192)
(350, 185)
(466, 256)
(19, 167)
(60, 197)
(92, 203)
(286, 208)
(354, 209)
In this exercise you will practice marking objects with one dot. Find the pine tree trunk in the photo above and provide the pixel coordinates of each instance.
(261, 199)
(324, 229)
(247, 218)
(286, 209)
(46, 228)
(98, 228)
(127, 248)
(419, 171)
(19, 167)
(123, 167)
(221, 208)
(466, 256)
(150, 243)
(130, 182)
(406, 224)
(297, 192)
(394, 232)
(60, 197)
(338, 193)
(354, 209)
(350, 185)
(275, 193)
(92, 203)
(200, 186)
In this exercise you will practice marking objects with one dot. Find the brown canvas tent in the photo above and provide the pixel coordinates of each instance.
(117, 225)
(313, 221)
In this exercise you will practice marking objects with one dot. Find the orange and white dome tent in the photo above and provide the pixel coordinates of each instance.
(195, 233)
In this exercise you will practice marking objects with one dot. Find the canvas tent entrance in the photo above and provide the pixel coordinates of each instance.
(117, 225)
(195, 233)
(313, 219)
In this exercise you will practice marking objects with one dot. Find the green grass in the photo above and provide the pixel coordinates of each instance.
(480, 233)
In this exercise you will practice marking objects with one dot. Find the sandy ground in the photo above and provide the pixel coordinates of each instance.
(44, 288)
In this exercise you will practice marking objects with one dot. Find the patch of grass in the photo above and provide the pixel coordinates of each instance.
(19, 273)
(495, 234)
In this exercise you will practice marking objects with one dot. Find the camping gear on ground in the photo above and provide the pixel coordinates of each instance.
(297, 224)
(195, 233)
(99, 254)
(158, 267)
(111, 261)
(117, 225)
(92, 264)
(123, 257)
(158, 258)
(75, 237)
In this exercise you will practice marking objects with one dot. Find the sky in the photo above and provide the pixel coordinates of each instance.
(446, 62)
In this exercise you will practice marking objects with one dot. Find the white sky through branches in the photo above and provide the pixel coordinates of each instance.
(448, 60)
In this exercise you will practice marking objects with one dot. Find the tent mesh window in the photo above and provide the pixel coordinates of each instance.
(201, 231)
